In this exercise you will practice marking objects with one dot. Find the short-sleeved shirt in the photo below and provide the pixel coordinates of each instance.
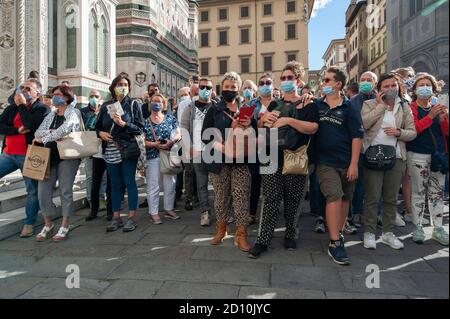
(308, 114)
(164, 131)
(337, 128)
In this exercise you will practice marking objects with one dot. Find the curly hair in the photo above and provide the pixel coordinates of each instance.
(232, 76)
(296, 68)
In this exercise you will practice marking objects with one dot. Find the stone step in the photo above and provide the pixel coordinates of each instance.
(11, 222)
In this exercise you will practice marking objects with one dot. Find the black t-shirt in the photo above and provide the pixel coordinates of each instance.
(202, 107)
(308, 113)
(338, 127)
(54, 154)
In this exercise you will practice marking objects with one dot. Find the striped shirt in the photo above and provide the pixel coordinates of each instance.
(112, 154)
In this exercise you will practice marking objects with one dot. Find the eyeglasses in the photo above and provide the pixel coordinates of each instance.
(26, 88)
(287, 78)
(202, 87)
(266, 82)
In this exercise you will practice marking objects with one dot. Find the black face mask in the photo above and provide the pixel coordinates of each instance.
(151, 93)
(229, 96)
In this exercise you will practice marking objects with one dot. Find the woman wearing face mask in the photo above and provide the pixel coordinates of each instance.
(248, 91)
(114, 128)
(161, 131)
(231, 179)
(56, 126)
(388, 122)
(261, 103)
(297, 112)
(431, 123)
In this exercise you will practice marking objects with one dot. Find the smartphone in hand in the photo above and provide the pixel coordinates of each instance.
(247, 111)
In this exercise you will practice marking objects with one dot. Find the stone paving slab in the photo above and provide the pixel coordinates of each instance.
(14, 286)
(189, 290)
(350, 295)
(131, 289)
(55, 288)
(194, 271)
(279, 293)
(161, 252)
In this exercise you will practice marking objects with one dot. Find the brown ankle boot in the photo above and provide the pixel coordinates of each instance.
(241, 239)
(221, 233)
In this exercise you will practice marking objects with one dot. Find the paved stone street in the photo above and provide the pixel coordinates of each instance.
(175, 260)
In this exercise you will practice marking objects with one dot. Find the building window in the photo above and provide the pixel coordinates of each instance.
(245, 36)
(223, 37)
(292, 31)
(223, 67)
(245, 65)
(415, 6)
(268, 63)
(291, 57)
(93, 34)
(204, 68)
(268, 33)
(103, 61)
(245, 12)
(223, 14)
(204, 16)
(204, 39)
(291, 6)
(267, 9)
(71, 42)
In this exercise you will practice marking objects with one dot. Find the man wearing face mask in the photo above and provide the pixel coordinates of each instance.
(338, 148)
(192, 122)
(18, 123)
(89, 116)
(367, 91)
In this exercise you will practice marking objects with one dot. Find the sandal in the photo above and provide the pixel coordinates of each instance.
(45, 233)
(172, 215)
(156, 220)
(62, 234)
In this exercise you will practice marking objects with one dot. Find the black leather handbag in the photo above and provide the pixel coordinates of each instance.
(129, 149)
(380, 157)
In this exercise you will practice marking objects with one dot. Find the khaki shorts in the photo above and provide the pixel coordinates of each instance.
(334, 184)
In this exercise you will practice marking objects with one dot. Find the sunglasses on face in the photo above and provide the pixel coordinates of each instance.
(26, 88)
(202, 87)
(266, 82)
(327, 80)
(95, 96)
(288, 78)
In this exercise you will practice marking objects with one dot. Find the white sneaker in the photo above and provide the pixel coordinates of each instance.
(399, 222)
(204, 219)
(370, 241)
(391, 240)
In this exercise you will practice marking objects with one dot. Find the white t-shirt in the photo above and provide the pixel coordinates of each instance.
(182, 106)
(388, 121)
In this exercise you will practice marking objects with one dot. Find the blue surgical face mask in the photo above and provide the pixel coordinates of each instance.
(265, 90)
(156, 107)
(327, 90)
(58, 101)
(248, 94)
(424, 92)
(93, 101)
(28, 97)
(288, 86)
(204, 94)
(184, 98)
(365, 87)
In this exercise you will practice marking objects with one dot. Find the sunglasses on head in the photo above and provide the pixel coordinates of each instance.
(266, 82)
(288, 78)
(202, 87)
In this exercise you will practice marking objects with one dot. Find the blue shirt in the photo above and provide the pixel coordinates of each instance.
(163, 131)
(358, 100)
(337, 129)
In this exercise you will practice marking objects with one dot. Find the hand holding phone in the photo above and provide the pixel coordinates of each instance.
(246, 112)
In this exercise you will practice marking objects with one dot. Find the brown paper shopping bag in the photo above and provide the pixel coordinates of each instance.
(37, 163)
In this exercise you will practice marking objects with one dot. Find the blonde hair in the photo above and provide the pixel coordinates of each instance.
(164, 102)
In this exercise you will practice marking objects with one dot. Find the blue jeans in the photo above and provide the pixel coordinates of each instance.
(11, 163)
(357, 205)
(120, 174)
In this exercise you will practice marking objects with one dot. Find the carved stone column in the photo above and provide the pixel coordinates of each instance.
(20, 41)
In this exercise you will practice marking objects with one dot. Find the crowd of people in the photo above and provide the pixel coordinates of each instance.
(365, 142)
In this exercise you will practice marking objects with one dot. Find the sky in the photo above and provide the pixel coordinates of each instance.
(327, 23)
